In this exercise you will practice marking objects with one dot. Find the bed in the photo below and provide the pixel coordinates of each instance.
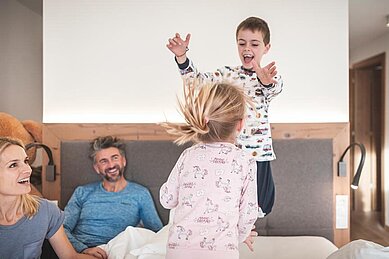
(304, 220)
(137, 243)
(300, 225)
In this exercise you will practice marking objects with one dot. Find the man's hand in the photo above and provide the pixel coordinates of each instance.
(178, 46)
(265, 74)
(250, 239)
(96, 252)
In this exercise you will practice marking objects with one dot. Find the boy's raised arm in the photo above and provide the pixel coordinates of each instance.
(179, 47)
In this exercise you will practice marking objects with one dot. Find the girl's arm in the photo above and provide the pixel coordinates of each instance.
(248, 208)
(168, 194)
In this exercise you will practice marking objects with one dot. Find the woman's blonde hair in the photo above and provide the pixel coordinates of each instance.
(212, 112)
(29, 204)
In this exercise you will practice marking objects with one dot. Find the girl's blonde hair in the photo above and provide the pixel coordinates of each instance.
(29, 203)
(212, 112)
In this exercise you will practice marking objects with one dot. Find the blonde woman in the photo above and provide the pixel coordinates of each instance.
(25, 220)
(213, 184)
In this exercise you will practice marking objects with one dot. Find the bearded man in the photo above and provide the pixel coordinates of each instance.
(98, 212)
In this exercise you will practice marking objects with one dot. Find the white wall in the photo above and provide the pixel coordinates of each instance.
(106, 61)
(21, 58)
(373, 48)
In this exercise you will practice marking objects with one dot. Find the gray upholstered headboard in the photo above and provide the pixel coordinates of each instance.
(303, 174)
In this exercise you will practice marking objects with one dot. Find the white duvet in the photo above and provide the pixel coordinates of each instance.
(140, 243)
(137, 243)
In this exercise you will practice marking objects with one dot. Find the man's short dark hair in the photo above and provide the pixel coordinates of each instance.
(104, 142)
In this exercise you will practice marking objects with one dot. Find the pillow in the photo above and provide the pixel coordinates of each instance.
(361, 249)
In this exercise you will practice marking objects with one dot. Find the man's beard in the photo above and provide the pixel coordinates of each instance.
(107, 176)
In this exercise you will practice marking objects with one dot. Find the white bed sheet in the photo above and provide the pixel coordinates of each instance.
(139, 243)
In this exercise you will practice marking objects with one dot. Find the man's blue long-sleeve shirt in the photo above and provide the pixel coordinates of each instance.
(93, 216)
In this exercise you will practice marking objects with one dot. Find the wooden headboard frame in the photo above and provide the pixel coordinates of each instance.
(53, 134)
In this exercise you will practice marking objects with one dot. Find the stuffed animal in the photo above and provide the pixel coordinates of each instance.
(27, 131)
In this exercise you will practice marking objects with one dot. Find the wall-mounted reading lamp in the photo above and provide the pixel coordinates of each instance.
(50, 169)
(342, 165)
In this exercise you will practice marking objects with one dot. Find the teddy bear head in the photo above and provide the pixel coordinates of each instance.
(27, 131)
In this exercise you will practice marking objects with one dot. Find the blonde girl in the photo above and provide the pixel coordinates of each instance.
(213, 184)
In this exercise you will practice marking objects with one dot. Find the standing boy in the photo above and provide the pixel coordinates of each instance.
(261, 83)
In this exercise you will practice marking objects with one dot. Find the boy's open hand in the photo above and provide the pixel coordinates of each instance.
(178, 46)
(265, 74)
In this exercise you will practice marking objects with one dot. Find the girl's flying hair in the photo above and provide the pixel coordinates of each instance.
(212, 112)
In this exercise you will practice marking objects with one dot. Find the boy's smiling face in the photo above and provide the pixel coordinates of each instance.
(251, 47)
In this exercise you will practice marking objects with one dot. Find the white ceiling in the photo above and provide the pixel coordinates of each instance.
(367, 21)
